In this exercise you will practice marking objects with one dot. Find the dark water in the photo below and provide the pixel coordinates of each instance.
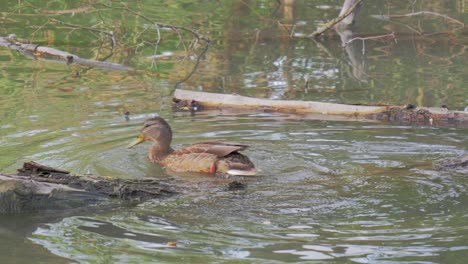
(328, 191)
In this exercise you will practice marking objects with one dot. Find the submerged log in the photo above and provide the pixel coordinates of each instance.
(38, 187)
(50, 54)
(195, 101)
(459, 164)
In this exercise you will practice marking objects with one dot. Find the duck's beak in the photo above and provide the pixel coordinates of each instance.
(137, 141)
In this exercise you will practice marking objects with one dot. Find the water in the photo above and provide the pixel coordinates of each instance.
(328, 191)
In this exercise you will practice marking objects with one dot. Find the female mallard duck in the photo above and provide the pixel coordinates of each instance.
(204, 157)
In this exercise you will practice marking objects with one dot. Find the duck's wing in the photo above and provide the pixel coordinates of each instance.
(180, 161)
(218, 148)
(209, 157)
(224, 143)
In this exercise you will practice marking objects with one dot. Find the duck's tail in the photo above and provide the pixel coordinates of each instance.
(250, 172)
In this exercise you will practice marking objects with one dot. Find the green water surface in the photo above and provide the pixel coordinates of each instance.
(328, 191)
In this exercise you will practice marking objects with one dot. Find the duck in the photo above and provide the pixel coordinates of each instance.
(209, 157)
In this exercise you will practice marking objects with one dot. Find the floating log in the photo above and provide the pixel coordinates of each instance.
(38, 187)
(408, 114)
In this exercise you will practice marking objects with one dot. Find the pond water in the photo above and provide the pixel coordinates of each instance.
(328, 191)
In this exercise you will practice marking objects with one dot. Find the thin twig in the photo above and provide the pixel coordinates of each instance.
(80, 27)
(33, 35)
(110, 34)
(391, 35)
(91, 30)
(419, 32)
(163, 25)
(195, 67)
(429, 13)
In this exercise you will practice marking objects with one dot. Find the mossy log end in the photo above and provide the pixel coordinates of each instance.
(421, 116)
(459, 164)
(38, 187)
(408, 114)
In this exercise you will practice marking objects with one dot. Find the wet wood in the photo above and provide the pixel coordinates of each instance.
(35, 51)
(349, 10)
(37, 187)
(453, 164)
(345, 18)
(195, 101)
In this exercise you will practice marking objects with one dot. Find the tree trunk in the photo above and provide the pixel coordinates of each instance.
(350, 8)
(351, 17)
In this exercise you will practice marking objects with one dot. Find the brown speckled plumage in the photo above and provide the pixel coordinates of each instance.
(204, 157)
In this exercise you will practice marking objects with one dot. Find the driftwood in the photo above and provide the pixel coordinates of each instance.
(37, 187)
(409, 114)
(50, 54)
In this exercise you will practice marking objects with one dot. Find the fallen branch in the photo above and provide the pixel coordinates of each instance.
(401, 114)
(429, 13)
(391, 35)
(336, 20)
(450, 19)
(51, 54)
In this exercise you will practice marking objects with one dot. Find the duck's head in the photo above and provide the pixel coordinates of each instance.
(155, 129)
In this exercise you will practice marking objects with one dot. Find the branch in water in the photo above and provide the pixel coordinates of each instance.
(391, 35)
(335, 21)
(429, 13)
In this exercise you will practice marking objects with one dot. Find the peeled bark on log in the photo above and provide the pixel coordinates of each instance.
(38, 187)
(409, 114)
